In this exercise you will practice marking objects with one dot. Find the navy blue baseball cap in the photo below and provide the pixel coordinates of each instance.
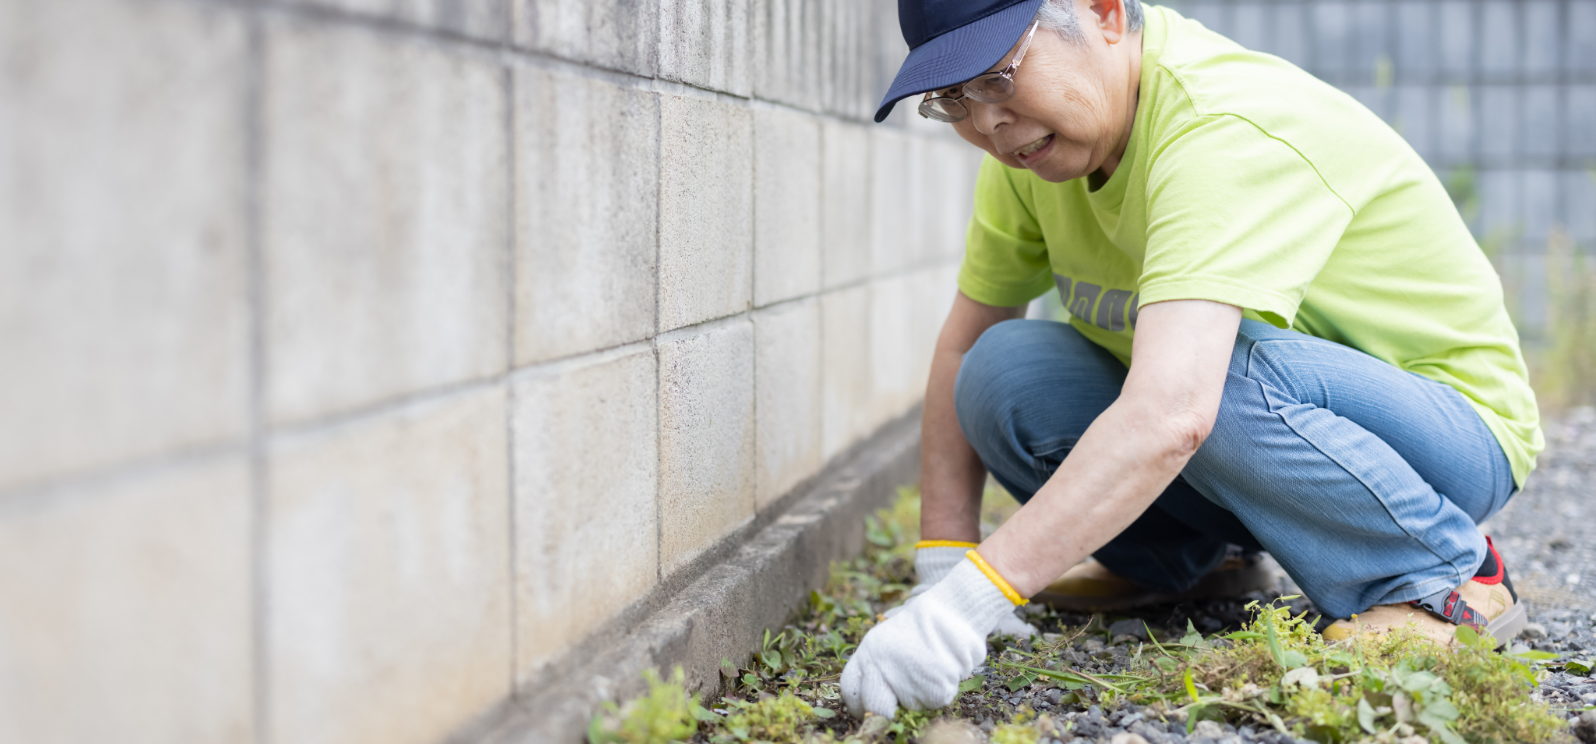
(951, 41)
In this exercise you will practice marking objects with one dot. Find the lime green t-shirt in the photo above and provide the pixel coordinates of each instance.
(1250, 182)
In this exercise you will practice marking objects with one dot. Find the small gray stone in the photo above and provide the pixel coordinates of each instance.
(1134, 628)
(1557, 630)
(1585, 727)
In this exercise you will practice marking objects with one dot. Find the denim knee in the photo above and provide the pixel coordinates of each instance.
(981, 393)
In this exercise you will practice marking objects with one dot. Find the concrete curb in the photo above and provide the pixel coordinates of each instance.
(725, 611)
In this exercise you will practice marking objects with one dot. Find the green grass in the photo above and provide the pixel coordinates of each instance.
(1275, 672)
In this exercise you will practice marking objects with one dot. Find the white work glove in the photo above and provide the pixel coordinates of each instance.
(933, 563)
(917, 657)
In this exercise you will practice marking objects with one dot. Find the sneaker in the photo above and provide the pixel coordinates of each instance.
(1090, 587)
(1487, 603)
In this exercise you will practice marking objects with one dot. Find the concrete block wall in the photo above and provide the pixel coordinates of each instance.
(1498, 96)
(364, 357)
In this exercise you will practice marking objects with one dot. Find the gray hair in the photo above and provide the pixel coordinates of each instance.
(1058, 16)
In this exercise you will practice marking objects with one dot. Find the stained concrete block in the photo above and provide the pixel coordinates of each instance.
(122, 277)
(481, 19)
(1580, 110)
(706, 443)
(384, 234)
(787, 369)
(845, 215)
(706, 211)
(125, 610)
(896, 186)
(388, 584)
(704, 43)
(847, 386)
(786, 205)
(614, 34)
(587, 196)
(586, 477)
(786, 51)
(895, 348)
(951, 171)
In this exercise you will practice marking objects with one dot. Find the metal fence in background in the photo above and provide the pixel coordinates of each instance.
(1499, 96)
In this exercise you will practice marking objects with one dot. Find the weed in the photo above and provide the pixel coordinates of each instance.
(665, 714)
(1275, 672)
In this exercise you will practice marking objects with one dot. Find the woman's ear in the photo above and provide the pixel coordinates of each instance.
(1109, 17)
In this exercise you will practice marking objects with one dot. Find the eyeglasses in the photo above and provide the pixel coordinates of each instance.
(991, 87)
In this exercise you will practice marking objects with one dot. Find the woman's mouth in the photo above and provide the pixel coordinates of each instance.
(1035, 150)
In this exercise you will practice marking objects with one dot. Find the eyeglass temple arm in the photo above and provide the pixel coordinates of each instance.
(1014, 64)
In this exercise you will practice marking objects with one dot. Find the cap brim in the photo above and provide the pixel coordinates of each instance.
(959, 55)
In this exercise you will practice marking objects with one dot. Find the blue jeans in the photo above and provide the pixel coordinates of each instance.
(1363, 481)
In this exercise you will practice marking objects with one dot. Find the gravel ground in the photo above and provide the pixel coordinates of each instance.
(1546, 535)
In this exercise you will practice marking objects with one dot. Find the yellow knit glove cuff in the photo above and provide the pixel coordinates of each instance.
(997, 578)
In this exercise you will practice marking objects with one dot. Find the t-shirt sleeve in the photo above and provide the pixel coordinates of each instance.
(1237, 216)
(1005, 257)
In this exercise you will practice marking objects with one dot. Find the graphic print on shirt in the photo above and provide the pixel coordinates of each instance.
(1107, 309)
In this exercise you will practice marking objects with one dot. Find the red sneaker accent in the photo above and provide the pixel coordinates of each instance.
(1501, 568)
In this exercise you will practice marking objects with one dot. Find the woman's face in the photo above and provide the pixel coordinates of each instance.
(1073, 103)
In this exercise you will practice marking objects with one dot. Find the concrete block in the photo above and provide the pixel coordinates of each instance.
(1578, 190)
(847, 386)
(1372, 98)
(845, 216)
(1291, 35)
(387, 563)
(122, 277)
(787, 366)
(1543, 54)
(1499, 112)
(953, 168)
(1580, 110)
(586, 479)
(705, 43)
(481, 19)
(1370, 43)
(786, 51)
(614, 34)
(706, 211)
(1414, 106)
(1332, 40)
(384, 234)
(1249, 27)
(1415, 41)
(1499, 39)
(849, 58)
(786, 205)
(125, 610)
(1455, 117)
(706, 445)
(1540, 129)
(895, 347)
(1580, 55)
(587, 196)
(898, 200)
(1455, 32)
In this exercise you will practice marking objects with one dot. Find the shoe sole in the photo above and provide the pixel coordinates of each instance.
(1223, 584)
(1509, 625)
